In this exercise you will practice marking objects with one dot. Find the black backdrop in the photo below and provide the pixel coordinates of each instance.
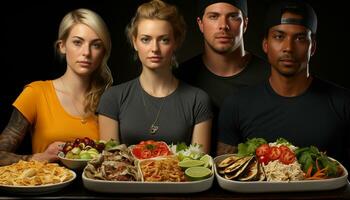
(29, 29)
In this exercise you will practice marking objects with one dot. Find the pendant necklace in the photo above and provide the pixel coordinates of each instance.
(83, 120)
(154, 126)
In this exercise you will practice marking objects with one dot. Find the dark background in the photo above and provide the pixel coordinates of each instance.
(29, 30)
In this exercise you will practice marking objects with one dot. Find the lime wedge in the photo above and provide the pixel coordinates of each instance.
(186, 158)
(191, 163)
(197, 173)
(207, 160)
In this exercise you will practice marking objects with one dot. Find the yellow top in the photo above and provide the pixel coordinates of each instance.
(40, 105)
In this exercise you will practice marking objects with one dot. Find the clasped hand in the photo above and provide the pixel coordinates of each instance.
(50, 154)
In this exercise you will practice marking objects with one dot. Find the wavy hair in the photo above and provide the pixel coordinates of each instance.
(101, 78)
(157, 9)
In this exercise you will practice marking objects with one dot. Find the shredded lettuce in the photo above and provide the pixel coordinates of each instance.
(282, 141)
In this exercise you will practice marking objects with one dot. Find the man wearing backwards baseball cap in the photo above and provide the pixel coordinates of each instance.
(225, 65)
(292, 104)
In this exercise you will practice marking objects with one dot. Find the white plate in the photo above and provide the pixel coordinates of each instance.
(75, 164)
(293, 186)
(146, 187)
(37, 190)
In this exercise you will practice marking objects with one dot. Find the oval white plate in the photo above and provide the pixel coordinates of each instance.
(146, 187)
(292, 186)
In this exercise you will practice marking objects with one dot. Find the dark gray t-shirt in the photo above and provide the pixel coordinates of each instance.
(136, 110)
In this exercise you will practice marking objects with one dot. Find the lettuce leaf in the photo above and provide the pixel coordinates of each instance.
(249, 147)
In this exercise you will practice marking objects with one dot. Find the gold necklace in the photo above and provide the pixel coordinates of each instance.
(154, 127)
(83, 120)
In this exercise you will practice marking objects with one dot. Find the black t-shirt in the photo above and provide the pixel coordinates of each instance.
(218, 88)
(320, 117)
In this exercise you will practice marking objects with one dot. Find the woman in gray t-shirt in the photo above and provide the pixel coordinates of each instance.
(155, 105)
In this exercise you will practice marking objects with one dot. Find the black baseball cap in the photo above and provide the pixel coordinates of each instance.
(240, 4)
(299, 7)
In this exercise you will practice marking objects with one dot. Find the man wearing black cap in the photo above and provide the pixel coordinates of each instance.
(225, 65)
(292, 104)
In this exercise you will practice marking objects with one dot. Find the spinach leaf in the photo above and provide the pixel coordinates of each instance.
(308, 156)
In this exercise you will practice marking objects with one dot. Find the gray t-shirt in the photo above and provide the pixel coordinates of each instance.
(136, 110)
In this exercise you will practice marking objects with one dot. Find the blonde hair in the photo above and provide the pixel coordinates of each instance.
(101, 78)
(157, 9)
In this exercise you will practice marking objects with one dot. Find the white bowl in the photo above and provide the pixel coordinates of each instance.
(75, 164)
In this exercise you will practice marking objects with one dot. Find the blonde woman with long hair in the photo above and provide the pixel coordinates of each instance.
(59, 110)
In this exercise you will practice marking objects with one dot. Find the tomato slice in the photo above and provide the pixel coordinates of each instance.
(156, 152)
(287, 157)
(137, 152)
(146, 154)
(264, 159)
(150, 148)
(284, 148)
(274, 153)
(164, 153)
(263, 149)
(162, 145)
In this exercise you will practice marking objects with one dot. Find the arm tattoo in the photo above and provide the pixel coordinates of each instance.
(225, 149)
(12, 137)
